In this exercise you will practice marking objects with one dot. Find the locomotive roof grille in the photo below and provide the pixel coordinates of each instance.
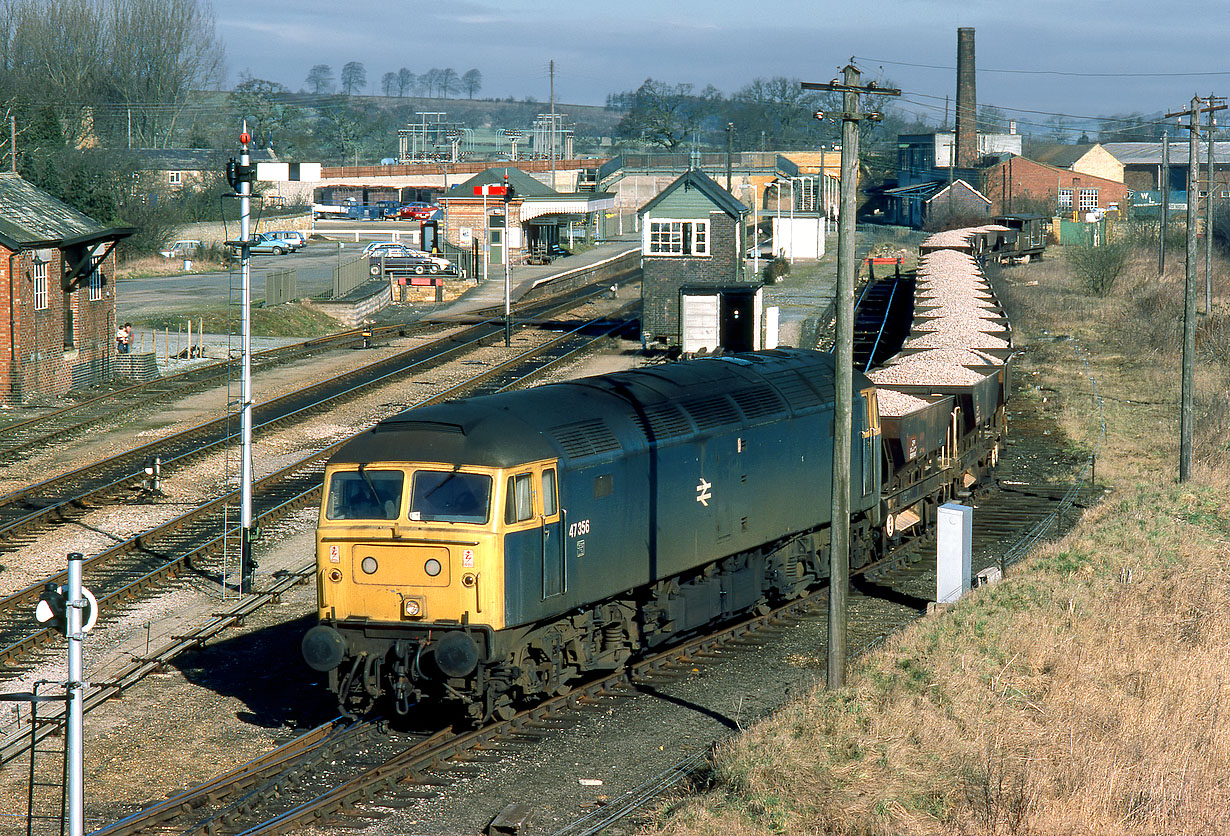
(585, 438)
(663, 421)
(711, 412)
(758, 402)
(795, 389)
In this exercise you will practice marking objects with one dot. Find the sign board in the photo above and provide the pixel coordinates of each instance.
(287, 171)
(490, 189)
(466, 234)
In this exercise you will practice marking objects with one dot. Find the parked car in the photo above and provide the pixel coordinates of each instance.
(183, 248)
(419, 211)
(398, 258)
(264, 242)
(292, 235)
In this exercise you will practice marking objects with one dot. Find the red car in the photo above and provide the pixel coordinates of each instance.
(418, 211)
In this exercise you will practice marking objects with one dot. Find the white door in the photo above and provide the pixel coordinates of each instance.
(700, 322)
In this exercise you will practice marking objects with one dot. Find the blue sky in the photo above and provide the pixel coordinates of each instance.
(1154, 57)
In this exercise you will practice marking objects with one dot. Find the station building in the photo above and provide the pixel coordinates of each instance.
(57, 330)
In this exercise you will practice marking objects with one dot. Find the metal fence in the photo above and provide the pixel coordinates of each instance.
(348, 276)
(279, 287)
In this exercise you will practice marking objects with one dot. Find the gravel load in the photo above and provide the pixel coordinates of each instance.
(894, 404)
(965, 337)
(920, 372)
(956, 356)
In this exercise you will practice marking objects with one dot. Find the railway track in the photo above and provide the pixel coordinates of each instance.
(198, 538)
(281, 802)
(67, 496)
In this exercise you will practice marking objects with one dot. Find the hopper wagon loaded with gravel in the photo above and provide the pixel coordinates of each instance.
(482, 553)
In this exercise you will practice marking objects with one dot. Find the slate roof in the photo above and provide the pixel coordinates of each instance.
(1150, 153)
(32, 219)
(523, 184)
(694, 178)
(191, 159)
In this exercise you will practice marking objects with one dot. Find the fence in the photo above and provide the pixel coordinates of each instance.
(348, 276)
(279, 287)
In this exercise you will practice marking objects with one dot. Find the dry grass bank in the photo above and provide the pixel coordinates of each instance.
(1087, 693)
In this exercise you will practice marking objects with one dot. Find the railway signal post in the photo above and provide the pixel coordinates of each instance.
(843, 420)
(241, 175)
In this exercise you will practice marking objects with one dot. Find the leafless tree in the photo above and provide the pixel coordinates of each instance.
(472, 82)
(430, 80)
(320, 79)
(354, 77)
(405, 82)
(447, 81)
(388, 83)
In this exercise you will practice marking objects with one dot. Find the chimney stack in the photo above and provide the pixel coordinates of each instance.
(967, 100)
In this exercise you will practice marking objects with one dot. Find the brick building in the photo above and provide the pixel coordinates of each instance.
(539, 217)
(1018, 184)
(696, 290)
(55, 269)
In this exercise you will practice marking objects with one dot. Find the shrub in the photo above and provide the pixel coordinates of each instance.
(1098, 268)
(776, 270)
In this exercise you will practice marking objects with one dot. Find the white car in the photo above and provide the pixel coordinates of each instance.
(293, 235)
(184, 248)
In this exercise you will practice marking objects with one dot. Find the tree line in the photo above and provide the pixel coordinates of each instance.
(353, 79)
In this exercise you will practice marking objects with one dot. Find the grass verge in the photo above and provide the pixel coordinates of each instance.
(294, 319)
(1087, 692)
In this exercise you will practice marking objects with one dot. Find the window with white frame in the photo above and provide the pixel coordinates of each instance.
(41, 302)
(678, 238)
(1088, 200)
(96, 279)
(174, 178)
(1065, 199)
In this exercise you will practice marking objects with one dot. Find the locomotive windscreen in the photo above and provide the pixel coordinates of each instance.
(447, 496)
(364, 495)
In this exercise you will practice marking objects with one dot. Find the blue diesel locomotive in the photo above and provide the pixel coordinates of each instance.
(487, 551)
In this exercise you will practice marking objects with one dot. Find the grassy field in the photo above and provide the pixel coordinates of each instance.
(294, 319)
(1089, 692)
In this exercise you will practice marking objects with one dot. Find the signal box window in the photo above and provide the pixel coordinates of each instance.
(364, 495)
(519, 504)
(439, 496)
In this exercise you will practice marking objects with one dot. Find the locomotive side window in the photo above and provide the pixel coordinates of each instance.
(364, 495)
(446, 496)
(604, 486)
(548, 493)
(519, 502)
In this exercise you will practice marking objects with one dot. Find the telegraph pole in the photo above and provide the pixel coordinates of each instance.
(1208, 215)
(1187, 389)
(843, 419)
(1165, 184)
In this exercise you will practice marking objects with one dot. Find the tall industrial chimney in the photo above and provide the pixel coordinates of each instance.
(967, 100)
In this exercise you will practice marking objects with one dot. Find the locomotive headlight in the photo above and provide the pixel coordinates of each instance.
(432, 567)
(369, 565)
(412, 607)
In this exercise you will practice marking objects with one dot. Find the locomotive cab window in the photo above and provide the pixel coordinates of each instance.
(519, 501)
(364, 495)
(450, 496)
(549, 505)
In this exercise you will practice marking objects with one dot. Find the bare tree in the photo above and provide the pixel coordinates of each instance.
(354, 77)
(388, 83)
(472, 82)
(405, 82)
(430, 80)
(320, 79)
(448, 81)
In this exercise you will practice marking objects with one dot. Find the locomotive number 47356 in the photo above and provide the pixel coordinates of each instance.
(578, 528)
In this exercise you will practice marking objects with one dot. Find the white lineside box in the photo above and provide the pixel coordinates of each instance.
(953, 552)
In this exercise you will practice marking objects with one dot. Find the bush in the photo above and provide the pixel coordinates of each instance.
(1098, 268)
(776, 270)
